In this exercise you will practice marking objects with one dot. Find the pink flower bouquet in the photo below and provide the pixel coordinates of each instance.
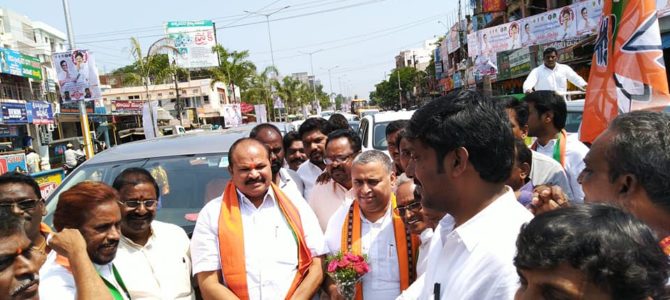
(346, 269)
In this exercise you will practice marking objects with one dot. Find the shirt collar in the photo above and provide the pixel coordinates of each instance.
(426, 235)
(132, 244)
(284, 177)
(471, 231)
(549, 145)
(381, 220)
(268, 200)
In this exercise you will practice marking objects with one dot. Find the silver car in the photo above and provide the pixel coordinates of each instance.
(190, 169)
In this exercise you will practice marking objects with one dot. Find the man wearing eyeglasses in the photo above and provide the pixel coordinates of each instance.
(327, 196)
(153, 256)
(21, 195)
(409, 209)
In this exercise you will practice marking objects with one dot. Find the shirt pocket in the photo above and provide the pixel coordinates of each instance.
(179, 277)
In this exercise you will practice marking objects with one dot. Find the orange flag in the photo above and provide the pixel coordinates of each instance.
(627, 71)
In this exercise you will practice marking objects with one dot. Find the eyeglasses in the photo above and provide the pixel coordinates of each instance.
(136, 203)
(24, 205)
(338, 159)
(413, 207)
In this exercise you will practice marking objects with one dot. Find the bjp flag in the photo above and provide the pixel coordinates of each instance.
(627, 71)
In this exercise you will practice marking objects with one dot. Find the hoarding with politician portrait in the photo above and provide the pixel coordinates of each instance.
(10, 62)
(77, 75)
(194, 41)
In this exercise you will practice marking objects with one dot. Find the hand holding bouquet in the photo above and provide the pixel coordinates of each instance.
(347, 269)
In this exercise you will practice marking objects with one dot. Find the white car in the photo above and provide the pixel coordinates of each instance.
(372, 128)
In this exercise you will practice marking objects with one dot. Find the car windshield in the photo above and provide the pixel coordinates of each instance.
(379, 136)
(573, 121)
(186, 183)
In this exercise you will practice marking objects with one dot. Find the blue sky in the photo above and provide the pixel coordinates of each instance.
(361, 37)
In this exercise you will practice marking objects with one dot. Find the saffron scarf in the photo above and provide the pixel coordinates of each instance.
(231, 241)
(406, 243)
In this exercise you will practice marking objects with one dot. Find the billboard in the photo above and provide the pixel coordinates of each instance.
(77, 75)
(194, 41)
(14, 113)
(127, 106)
(10, 62)
(31, 67)
(40, 112)
(232, 115)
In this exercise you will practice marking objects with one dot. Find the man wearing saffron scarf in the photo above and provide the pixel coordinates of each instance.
(254, 242)
(628, 166)
(370, 226)
(547, 113)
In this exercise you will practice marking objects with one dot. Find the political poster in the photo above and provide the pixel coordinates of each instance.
(554, 25)
(77, 75)
(10, 62)
(473, 44)
(627, 70)
(486, 64)
(452, 39)
(588, 16)
(194, 41)
(498, 39)
(232, 115)
(261, 113)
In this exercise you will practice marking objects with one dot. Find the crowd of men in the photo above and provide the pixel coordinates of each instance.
(461, 208)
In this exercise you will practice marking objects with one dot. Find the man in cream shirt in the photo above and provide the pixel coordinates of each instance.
(326, 197)
(313, 132)
(153, 256)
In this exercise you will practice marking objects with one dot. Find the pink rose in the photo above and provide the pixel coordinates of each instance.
(353, 258)
(343, 263)
(332, 266)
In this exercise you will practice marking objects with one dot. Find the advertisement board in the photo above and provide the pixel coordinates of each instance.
(127, 106)
(48, 181)
(77, 75)
(30, 67)
(194, 41)
(13, 162)
(14, 113)
(232, 115)
(10, 62)
(40, 112)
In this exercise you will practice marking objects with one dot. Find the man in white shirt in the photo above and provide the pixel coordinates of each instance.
(70, 156)
(552, 76)
(153, 256)
(409, 209)
(254, 243)
(295, 152)
(87, 217)
(369, 226)
(32, 160)
(328, 196)
(463, 175)
(313, 132)
(547, 113)
(286, 179)
(543, 169)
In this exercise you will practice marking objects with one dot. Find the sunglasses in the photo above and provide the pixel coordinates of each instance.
(413, 207)
(24, 205)
(136, 203)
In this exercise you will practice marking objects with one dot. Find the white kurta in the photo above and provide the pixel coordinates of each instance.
(575, 151)
(326, 199)
(378, 243)
(270, 248)
(308, 173)
(161, 269)
(544, 79)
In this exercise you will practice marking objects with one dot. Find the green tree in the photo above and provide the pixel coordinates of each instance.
(259, 89)
(292, 91)
(154, 67)
(339, 99)
(386, 93)
(234, 69)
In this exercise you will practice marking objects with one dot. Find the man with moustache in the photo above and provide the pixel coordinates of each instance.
(295, 152)
(462, 169)
(326, 197)
(628, 166)
(369, 226)
(87, 217)
(313, 132)
(19, 277)
(21, 195)
(153, 256)
(286, 179)
(253, 242)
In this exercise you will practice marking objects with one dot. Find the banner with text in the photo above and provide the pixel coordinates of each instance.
(194, 40)
(77, 75)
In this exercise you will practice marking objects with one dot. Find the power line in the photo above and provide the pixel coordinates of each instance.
(218, 28)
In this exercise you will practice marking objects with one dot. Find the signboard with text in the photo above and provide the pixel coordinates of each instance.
(194, 41)
(40, 112)
(14, 113)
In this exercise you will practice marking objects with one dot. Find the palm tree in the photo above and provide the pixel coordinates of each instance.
(152, 66)
(292, 91)
(259, 89)
(234, 68)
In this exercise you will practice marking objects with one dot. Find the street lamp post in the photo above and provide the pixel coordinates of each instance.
(311, 66)
(272, 55)
(330, 78)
